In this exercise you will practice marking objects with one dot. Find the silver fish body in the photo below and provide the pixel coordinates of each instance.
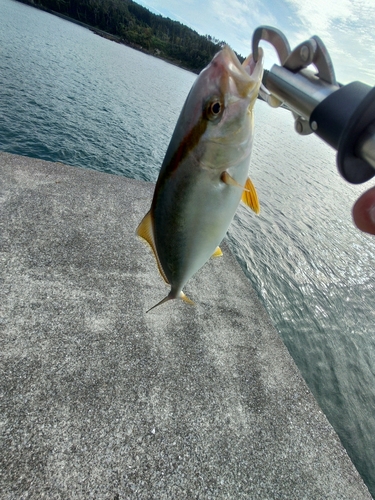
(204, 171)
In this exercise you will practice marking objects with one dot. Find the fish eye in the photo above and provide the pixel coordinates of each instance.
(214, 109)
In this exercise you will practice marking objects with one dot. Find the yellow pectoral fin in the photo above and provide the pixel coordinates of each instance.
(228, 179)
(146, 231)
(217, 252)
(250, 197)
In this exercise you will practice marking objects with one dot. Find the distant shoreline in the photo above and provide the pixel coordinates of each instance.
(108, 36)
(117, 39)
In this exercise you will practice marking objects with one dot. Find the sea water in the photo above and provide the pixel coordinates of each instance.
(68, 95)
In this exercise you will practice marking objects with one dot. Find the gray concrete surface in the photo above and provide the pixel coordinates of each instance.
(99, 400)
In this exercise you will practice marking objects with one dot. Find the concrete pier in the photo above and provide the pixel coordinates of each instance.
(99, 400)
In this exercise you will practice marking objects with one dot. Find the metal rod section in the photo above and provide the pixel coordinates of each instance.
(301, 91)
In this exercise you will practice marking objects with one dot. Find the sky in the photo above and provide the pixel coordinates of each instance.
(346, 27)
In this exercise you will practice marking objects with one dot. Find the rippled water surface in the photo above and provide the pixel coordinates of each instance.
(68, 95)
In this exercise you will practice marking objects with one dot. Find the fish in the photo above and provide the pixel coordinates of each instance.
(204, 174)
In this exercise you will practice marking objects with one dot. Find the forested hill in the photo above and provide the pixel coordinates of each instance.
(136, 26)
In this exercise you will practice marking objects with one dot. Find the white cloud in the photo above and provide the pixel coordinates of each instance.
(318, 15)
(347, 27)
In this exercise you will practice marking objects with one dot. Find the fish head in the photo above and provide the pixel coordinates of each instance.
(217, 116)
(215, 128)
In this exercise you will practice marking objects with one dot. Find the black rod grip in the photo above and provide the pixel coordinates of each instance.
(334, 113)
(339, 120)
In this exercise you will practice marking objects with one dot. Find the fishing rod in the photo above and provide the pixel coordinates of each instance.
(341, 115)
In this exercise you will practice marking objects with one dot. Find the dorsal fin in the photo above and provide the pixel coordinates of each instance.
(146, 231)
(250, 196)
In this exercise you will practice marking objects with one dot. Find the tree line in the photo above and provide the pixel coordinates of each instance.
(136, 26)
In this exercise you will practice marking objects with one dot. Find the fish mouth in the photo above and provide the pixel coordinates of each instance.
(244, 79)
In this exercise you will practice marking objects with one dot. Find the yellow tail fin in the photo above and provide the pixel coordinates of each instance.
(171, 296)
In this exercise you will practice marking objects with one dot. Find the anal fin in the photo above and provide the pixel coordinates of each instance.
(186, 299)
(217, 252)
